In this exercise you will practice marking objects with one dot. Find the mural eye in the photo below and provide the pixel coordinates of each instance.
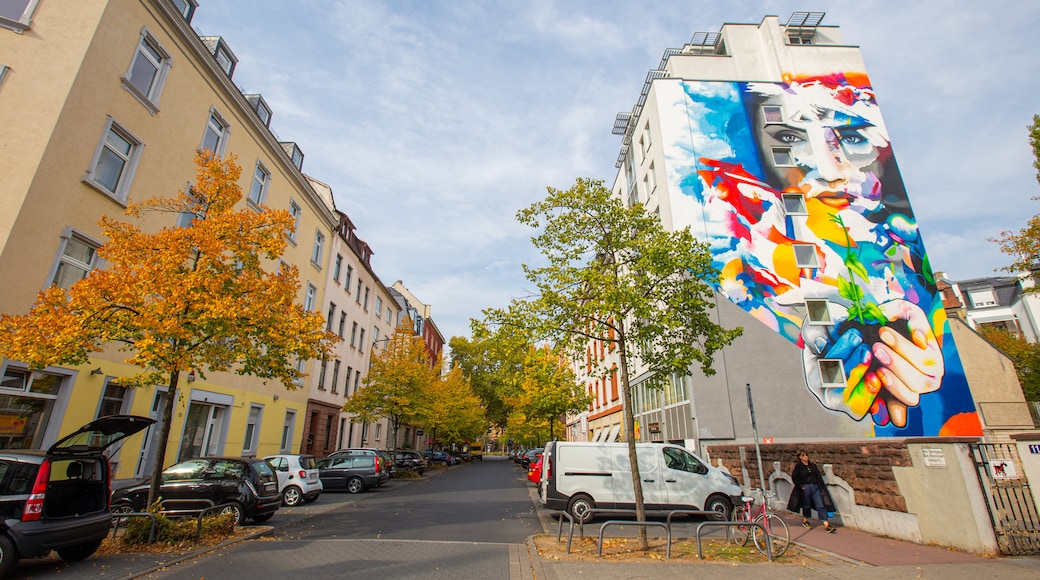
(853, 138)
(789, 138)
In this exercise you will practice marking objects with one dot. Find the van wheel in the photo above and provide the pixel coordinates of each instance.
(8, 556)
(77, 553)
(580, 508)
(720, 505)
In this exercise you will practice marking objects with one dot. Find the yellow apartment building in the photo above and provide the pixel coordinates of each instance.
(106, 101)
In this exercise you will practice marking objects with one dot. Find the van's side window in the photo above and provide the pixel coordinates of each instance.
(683, 461)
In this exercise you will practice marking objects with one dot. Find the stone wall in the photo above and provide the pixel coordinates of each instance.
(865, 465)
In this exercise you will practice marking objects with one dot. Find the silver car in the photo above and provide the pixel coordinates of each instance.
(298, 479)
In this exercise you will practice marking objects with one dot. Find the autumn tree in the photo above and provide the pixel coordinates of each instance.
(1024, 355)
(208, 296)
(548, 390)
(1024, 246)
(397, 385)
(615, 275)
(454, 413)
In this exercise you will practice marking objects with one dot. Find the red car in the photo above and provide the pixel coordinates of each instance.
(534, 472)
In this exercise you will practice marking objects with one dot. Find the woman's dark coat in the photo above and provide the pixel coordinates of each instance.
(807, 474)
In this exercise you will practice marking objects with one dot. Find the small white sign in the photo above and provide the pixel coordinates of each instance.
(933, 457)
(1002, 469)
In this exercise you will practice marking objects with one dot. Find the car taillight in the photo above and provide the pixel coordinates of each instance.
(548, 470)
(303, 474)
(34, 506)
(377, 465)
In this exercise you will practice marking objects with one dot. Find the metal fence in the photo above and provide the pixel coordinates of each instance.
(1012, 508)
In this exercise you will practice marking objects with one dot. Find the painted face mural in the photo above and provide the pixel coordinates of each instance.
(795, 187)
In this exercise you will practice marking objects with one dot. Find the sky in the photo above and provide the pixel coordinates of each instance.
(435, 121)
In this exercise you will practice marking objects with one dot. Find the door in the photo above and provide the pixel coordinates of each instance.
(686, 479)
(655, 494)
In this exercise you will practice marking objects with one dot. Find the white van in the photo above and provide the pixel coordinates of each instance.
(577, 477)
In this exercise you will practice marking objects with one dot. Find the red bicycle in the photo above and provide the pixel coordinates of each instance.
(775, 528)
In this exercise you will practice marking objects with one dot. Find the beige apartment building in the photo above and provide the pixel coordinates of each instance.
(103, 102)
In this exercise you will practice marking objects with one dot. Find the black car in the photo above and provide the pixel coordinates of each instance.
(386, 462)
(245, 487)
(353, 473)
(58, 499)
(410, 461)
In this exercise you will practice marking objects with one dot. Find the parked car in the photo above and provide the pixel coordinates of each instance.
(245, 487)
(298, 479)
(410, 460)
(436, 456)
(58, 499)
(528, 456)
(353, 473)
(534, 473)
(387, 461)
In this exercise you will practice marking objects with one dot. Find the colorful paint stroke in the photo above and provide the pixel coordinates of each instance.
(795, 187)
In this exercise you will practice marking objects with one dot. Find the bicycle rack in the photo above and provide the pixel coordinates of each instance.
(667, 529)
(757, 524)
(570, 534)
(118, 518)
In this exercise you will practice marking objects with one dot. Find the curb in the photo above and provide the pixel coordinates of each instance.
(197, 552)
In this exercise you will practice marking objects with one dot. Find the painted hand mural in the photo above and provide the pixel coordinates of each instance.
(811, 228)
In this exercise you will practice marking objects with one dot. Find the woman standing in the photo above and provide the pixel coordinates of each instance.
(810, 492)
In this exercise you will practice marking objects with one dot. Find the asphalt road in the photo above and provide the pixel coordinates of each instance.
(469, 521)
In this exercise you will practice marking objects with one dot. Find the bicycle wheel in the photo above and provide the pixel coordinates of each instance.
(776, 530)
(740, 534)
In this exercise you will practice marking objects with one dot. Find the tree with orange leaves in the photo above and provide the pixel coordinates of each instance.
(208, 296)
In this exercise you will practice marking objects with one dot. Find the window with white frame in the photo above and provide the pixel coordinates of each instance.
(335, 375)
(361, 340)
(350, 274)
(252, 437)
(772, 114)
(346, 383)
(261, 180)
(113, 400)
(186, 7)
(832, 374)
(342, 323)
(379, 307)
(794, 204)
(980, 298)
(319, 249)
(379, 431)
(375, 335)
(295, 211)
(301, 365)
(321, 374)
(353, 334)
(805, 256)
(78, 258)
(332, 315)
(818, 311)
(17, 14)
(148, 70)
(114, 162)
(782, 156)
(309, 297)
(357, 293)
(287, 431)
(214, 138)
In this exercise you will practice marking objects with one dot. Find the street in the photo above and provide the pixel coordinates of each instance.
(463, 522)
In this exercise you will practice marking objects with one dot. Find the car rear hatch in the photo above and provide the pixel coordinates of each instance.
(98, 435)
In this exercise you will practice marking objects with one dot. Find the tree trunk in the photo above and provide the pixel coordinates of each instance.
(630, 437)
(164, 435)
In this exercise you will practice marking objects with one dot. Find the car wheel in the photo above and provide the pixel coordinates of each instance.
(121, 508)
(79, 552)
(580, 508)
(292, 496)
(262, 518)
(235, 510)
(8, 556)
(355, 485)
(719, 505)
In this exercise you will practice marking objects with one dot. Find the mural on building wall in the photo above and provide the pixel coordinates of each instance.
(795, 186)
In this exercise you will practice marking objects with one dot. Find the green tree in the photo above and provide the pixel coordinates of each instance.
(1024, 246)
(205, 297)
(493, 362)
(615, 275)
(548, 390)
(1024, 355)
(396, 387)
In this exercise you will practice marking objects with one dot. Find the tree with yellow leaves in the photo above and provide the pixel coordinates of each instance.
(208, 296)
(454, 412)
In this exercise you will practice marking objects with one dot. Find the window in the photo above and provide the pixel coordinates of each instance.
(287, 431)
(346, 384)
(16, 14)
(186, 8)
(335, 375)
(249, 442)
(794, 204)
(357, 380)
(980, 298)
(328, 430)
(361, 341)
(388, 314)
(651, 177)
(375, 335)
(782, 157)
(259, 105)
(3, 72)
(805, 256)
(772, 114)
(357, 294)
(332, 315)
(148, 70)
(342, 323)
(379, 307)
(350, 274)
(112, 400)
(831, 373)
(308, 301)
(365, 306)
(78, 258)
(215, 136)
(353, 334)
(300, 370)
(226, 59)
(114, 162)
(379, 431)
(321, 374)
(337, 268)
(818, 311)
(319, 249)
(261, 179)
(295, 211)
(800, 40)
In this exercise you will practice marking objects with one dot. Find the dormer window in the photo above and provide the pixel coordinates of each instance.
(221, 52)
(186, 8)
(261, 108)
(294, 153)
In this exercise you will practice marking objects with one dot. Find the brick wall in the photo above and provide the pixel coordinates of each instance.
(865, 465)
